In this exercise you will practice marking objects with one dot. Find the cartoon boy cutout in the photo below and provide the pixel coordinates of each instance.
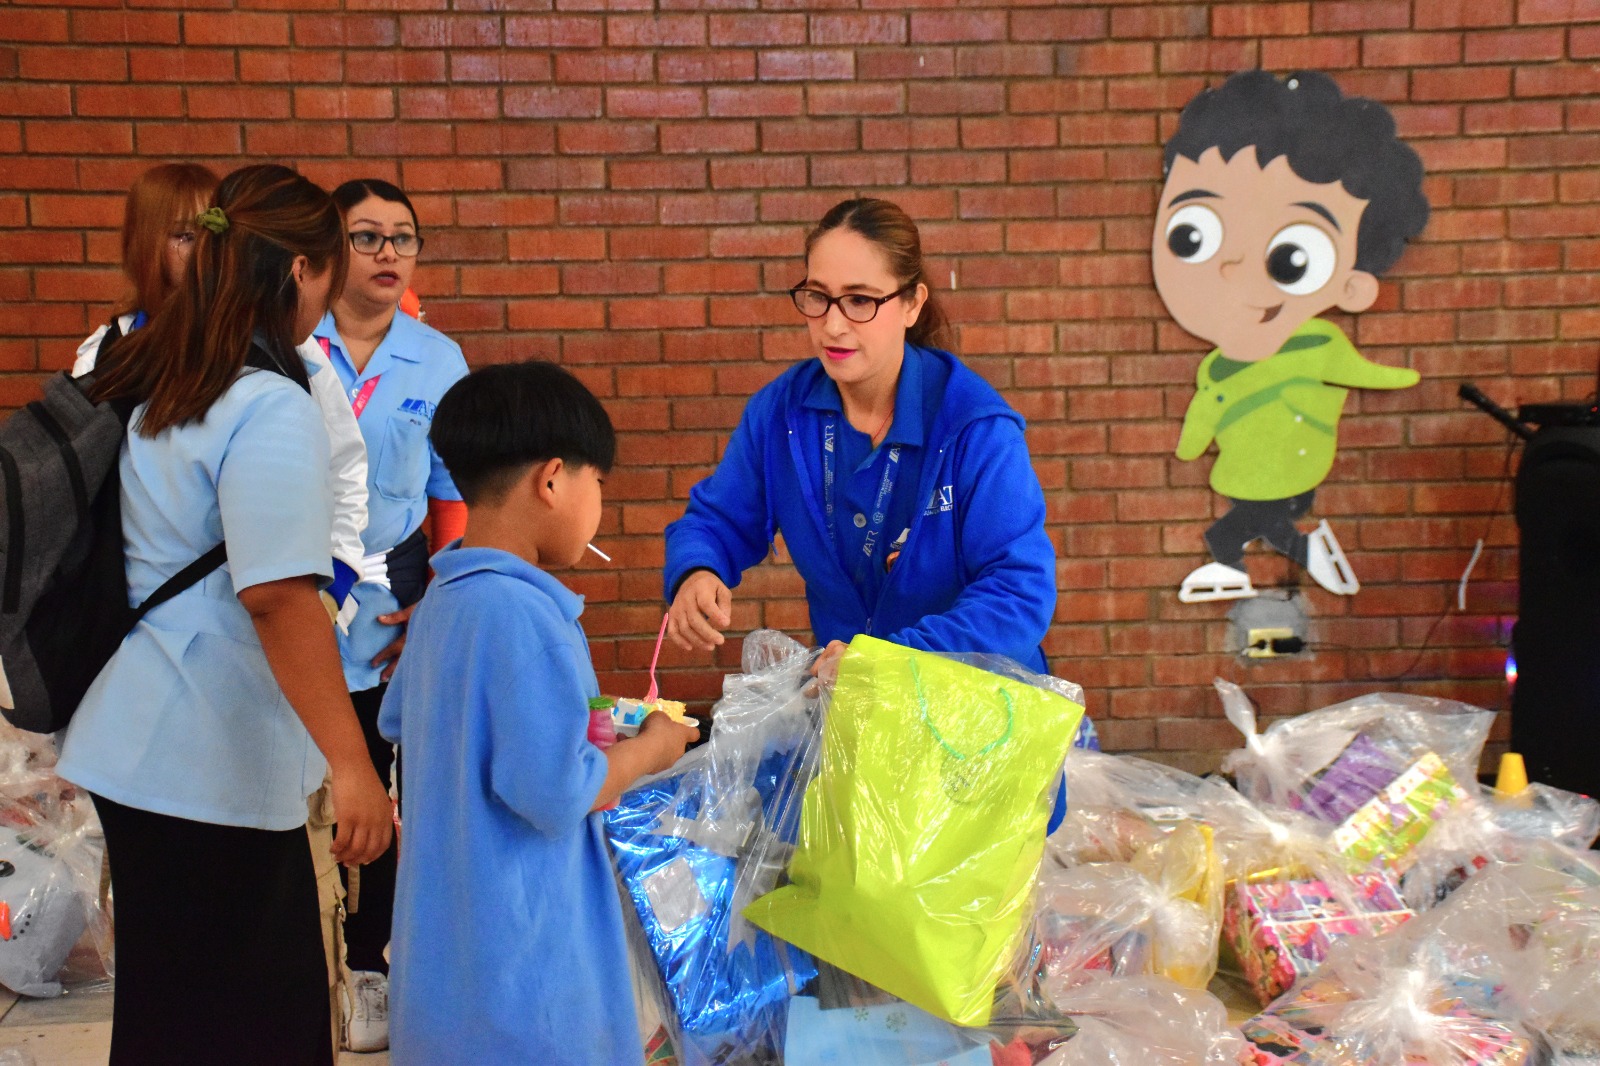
(1283, 200)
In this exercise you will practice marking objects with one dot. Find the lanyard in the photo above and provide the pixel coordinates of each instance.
(359, 402)
(880, 508)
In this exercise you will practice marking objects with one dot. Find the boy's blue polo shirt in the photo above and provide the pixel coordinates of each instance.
(187, 719)
(508, 938)
(415, 365)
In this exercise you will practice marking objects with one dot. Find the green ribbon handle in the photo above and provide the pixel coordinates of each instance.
(922, 705)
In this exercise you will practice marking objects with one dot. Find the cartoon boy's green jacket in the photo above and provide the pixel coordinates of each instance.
(1276, 422)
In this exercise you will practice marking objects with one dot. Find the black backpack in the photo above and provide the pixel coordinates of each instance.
(63, 580)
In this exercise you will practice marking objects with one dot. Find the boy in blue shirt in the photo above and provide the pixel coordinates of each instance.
(508, 939)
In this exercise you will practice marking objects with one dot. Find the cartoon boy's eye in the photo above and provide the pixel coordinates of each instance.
(1300, 259)
(1194, 233)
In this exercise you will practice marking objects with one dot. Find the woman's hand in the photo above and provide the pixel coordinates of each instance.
(363, 813)
(700, 611)
(391, 653)
(826, 668)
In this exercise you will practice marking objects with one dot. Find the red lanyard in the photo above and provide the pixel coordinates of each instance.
(359, 402)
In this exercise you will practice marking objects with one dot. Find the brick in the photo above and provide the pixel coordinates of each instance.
(512, 68)
(1311, 53)
(556, 244)
(179, 138)
(655, 174)
(859, 168)
(450, 31)
(854, 100)
(721, 65)
(605, 138)
(255, 103)
(1173, 21)
(1465, 13)
(181, 65)
(1515, 46)
(956, 98)
(654, 102)
(1558, 80)
(1064, 94)
(1261, 20)
(758, 173)
(36, 27)
(1062, 24)
(656, 31)
(856, 28)
(1411, 49)
(703, 136)
(805, 65)
(946, 27)
(299, 67)
(1346, 15)
(604, 67)
(344, 103)
(87, 64)
(235, 29)
(896, 64)
(756, 30)
(119, 27)
(78, 137)
(554, 31)
(1103, 58)
(1557, 11)
(345, 31)
(1478, 83)
(755, 101)
(546, 102)
(659, 242)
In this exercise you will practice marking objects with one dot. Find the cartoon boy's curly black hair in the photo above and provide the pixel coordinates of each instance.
(1327, 137)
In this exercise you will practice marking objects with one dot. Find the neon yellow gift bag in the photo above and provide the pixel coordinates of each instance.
(922, 832)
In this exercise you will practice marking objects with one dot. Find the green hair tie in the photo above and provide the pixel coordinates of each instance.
(212, 219)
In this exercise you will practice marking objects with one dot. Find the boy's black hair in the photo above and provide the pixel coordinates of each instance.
(1326, 137)
(354, 191)
(495, 422)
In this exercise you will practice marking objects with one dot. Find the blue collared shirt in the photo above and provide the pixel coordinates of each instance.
(186, 719)
(508, 937)
(415, 366)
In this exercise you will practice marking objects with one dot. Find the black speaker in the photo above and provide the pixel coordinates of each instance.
(1555, 707)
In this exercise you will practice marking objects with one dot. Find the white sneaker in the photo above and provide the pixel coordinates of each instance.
(1216, 581)
(1326, 564)
(365, 1011)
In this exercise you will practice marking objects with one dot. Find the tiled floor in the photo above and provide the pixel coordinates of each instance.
(75, 1030)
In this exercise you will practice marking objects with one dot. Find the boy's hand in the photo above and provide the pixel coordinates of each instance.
(670, 739)
(363, 813)
(391, 653)
(826, 668)
(699, 612)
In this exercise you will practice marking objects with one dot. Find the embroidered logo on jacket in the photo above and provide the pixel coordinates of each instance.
(942, 500)
(421, 408)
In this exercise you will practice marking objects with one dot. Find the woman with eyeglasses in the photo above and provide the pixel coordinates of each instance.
(394, 370)
(899, 478)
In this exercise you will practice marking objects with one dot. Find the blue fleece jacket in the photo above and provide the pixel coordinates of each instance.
(977, 572)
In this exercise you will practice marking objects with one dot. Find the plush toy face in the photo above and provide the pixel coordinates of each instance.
(1243, 255)
(41, 917)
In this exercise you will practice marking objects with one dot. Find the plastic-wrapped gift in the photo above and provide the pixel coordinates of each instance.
(694, 846)
(1389, 825)
(1331, 761)
(1145, 1021)
(1281, 929)
(923, 831)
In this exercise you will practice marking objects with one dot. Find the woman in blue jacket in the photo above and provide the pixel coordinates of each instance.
(899, 478)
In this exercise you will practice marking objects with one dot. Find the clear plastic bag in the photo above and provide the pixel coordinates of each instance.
(696, 844)
(922, 833)
(1145, 1021)
(1383, 769)
(1120, 805)
(55, 921)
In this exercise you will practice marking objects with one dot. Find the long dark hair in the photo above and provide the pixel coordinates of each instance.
(237, 291)
(886, 225)
(354, 191)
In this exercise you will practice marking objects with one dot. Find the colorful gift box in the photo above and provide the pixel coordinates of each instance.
(1386, 827)
(1361, 771)
(1473, 1041)
(1281, 929)
(629, 714)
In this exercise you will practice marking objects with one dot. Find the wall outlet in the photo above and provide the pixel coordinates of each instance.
(1258, 642)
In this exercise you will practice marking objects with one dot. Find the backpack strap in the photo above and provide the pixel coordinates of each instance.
(184, 579)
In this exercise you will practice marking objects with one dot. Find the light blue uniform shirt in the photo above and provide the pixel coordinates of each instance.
(186, 719)
(416, 365)
(507, 944)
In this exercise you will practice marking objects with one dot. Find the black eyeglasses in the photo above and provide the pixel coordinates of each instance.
(856, 306)
(371, 242)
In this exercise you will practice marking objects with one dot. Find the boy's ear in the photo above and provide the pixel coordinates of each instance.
(546, 479)
(1360, 292)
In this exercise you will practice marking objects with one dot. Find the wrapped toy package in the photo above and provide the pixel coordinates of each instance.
(922, 833)
(694, 845)
(1382, 769)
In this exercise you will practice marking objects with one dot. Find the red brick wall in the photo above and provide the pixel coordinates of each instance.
(624, 187)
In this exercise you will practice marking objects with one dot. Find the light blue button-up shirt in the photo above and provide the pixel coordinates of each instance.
(186, 719)
(415, 366)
